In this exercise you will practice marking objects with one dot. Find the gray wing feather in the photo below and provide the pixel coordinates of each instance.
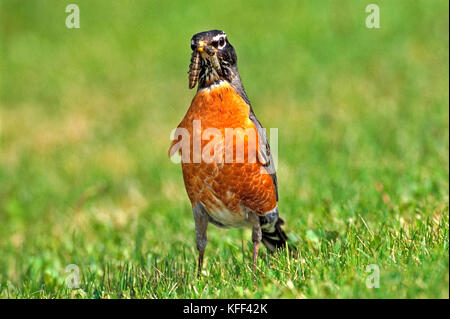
(265, 151)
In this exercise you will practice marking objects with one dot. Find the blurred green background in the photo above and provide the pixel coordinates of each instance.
(86, 116)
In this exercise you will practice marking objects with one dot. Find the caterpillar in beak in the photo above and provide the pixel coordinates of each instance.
(194, 69)
(216, 64)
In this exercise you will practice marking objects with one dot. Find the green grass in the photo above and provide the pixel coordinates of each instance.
(363, 149)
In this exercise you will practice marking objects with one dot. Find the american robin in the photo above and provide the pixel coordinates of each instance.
(231, 182)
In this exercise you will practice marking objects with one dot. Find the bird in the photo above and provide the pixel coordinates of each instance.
(225, 190)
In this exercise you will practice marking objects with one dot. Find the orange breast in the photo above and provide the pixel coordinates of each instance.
(225, 186)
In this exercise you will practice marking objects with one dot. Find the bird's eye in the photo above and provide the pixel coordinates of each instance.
(192, 45)
(221, 43)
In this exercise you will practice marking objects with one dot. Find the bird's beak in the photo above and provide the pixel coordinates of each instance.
(200, 47)
(203, 47)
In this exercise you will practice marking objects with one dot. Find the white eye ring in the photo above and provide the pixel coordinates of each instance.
(224, 42)
(219, 38)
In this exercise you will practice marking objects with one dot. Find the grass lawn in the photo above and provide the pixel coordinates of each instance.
(363, 149)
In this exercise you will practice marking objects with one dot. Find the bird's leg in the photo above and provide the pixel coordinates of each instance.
(201, 224)
(256, 236)
(200, 261)
(255, 253)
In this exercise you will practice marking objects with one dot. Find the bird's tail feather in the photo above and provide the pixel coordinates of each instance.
(274, 238)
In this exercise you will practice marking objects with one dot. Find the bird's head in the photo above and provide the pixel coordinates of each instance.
(213, 59)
